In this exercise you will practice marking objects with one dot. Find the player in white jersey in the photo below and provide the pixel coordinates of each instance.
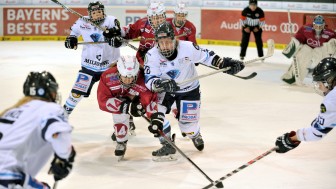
(95, 58)
(170, 62)
(30, 131)
(324, 76)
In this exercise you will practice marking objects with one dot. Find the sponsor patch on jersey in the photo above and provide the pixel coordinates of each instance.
(325, 36)
(75, 95)
(323, 108)
(196, 46)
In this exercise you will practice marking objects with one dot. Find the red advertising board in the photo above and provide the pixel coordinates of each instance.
(224, 25)
(39, 21)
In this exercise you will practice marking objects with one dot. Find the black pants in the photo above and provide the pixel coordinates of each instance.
(245, 41)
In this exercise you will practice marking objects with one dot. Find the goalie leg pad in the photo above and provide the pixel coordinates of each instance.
(292, 48)
(304, 60)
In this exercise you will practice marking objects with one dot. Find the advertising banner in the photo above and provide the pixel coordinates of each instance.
(39, 21)
(224, 25)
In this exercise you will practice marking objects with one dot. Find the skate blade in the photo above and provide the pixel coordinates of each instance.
(132, 133)
(171, 157)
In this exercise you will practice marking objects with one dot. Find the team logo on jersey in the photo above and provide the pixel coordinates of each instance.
(98, 57)
(323, 108)
(173, 73)
(95, 37)
(75, 95)
(257, 15)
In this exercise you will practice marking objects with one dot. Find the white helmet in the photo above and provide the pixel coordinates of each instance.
(181, 9)
(128, 66)
(156, 9)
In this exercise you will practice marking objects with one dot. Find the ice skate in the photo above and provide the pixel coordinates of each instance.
(131, 127)
(198, 142)
(166, 153)
(120, 150)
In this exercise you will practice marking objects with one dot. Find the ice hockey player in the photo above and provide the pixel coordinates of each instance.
(310, 45)
(184, 29)
(31, 131)
(122, 90)
(144, 28)
(171, 62)
(324, 76)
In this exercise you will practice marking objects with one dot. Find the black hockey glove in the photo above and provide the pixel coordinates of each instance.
(165, 85)
(113, 32)
(61, 168)
(157, 120)
(71, 42)
(124, 106)
(115, 42)
(284, 143)
(234, 65)
(136, 109)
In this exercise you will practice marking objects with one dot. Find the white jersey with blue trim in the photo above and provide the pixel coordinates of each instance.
(180, 69)
(30, 135)
(96, 57)
(325, 121)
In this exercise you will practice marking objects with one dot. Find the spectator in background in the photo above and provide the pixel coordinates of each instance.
(252, 19)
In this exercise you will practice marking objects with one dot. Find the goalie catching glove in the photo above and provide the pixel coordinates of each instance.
(284, 143)
(234, 65)
(60, 167)
(156, 125)
(165, 85)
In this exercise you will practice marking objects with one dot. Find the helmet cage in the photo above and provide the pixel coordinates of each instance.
(156, 14)
(128, 67)
(325, 72)
(318, 24)
(94, 6)
(166, 47)
(180, 14)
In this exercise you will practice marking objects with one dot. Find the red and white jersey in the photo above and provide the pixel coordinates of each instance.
(141, 28)
(30, 135)
(180, 69)
(110, 90)
(186, 33)
(96, 57)
(306, 35)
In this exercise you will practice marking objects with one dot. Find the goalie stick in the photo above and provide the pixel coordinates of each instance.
(242, 167)
(218, 184)
(270, 52)
(89, 21)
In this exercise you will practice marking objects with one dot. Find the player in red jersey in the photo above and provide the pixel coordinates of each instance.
(122, 90)
(311, 43)
(184, 29)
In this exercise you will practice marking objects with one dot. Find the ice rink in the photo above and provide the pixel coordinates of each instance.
(240, 119)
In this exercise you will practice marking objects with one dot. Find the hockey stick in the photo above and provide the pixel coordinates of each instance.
(252, 75)
(270, 53)
(217, 184)
(55, 185)
(89, 21)
(242, 167)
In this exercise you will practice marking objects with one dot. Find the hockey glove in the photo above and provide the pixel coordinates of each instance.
(113, 32)
(165, 85)
(157, 120)
(115, 42)
(136, 109)
(284, 143)
(71, 42)
(234, 65)
(124, 106)
(61, 168)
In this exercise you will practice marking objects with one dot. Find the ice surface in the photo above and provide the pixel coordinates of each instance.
(240, 119)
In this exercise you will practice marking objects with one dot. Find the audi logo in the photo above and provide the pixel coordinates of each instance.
(289, 28)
